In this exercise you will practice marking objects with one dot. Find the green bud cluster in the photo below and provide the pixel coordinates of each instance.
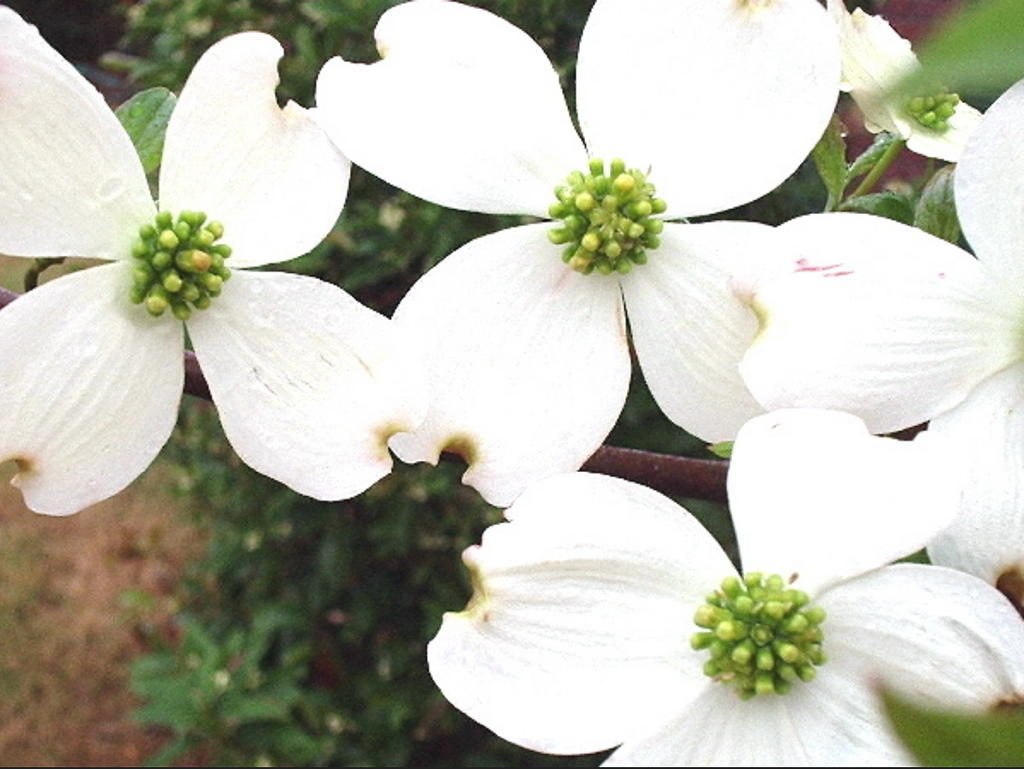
(178, 264)
(606, 222)
(933, 111)
(761, 635)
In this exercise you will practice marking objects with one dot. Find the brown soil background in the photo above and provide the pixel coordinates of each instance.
(72, 619)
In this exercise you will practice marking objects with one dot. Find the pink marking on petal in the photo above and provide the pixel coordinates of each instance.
(804, 266)
(829, 270)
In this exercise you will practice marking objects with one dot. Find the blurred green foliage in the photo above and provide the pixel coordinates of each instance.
(978, 49)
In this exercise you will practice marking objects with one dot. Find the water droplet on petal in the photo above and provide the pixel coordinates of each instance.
(111, 189)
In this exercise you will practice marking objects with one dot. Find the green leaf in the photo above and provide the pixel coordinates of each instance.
(152, 667)
(938, 738)
(242, 708)
(145, 117)
(869, 157)
(829, 156)
(888, 204)
(979, 48)
(172, 705)
(936, 210)
(722, 449)
(282, 740)
(920, 556)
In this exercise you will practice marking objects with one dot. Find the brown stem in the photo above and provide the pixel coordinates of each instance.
(677, 476)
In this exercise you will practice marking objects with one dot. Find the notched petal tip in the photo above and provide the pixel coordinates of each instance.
(462, 446)
(26, 468)
(256, 165)
(754, 6)
(763, 318)
(256, 42)
(478, 608)
(384, 435)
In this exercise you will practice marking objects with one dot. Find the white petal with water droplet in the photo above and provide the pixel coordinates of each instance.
(309, 384)
(270, 175)
(71, 183)
(90, 386)
(527, 361)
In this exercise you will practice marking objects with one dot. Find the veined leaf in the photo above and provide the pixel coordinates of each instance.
(145, 117)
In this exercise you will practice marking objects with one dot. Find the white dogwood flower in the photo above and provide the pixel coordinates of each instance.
(888, 322)
(899, 327)
(308, 383)
(591, 623)
(875, 60)
(708, 105)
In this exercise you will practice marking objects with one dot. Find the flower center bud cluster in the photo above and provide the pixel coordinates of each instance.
(934, 111)
(606, 222)
(178, 265)
(761, 635)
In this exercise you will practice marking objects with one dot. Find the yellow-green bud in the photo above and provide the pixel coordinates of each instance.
(168, 240)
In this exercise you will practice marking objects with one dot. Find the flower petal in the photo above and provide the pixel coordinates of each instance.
(878, 319)
(875, 59)
(810, 491)
(935, 634)
(832, 721)
(527, 361)
(689, 328)
(986, 432)
(90, 386)
(72, 184)
(269, 175)
(578, 630)
(990, 187)
(464, 109)
(679, 86)
(309, 384)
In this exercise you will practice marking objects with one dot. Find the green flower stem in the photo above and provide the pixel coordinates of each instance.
(37, 268)
(871, 179)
